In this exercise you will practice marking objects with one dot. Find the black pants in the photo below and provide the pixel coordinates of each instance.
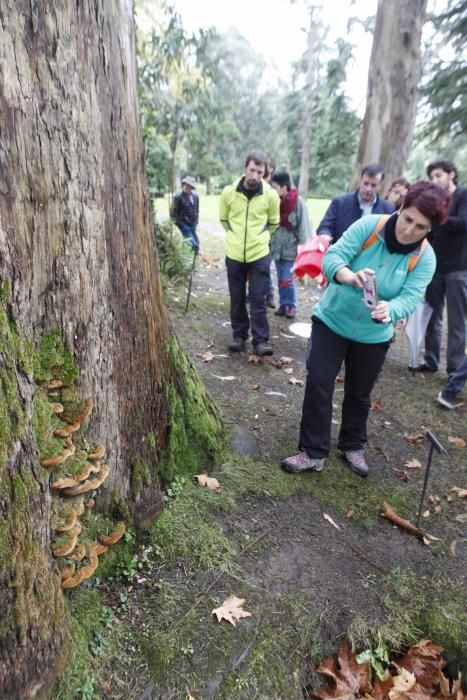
(257, 273)
(363, 362)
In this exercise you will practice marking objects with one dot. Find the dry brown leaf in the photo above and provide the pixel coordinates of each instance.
(330, 520)
(255, 359)
(438, 509)
(288, 370)
(426, 514)
(231, 610)
(206, 356)
(403, 682)
(452, 548)
(255, 387)
(457, 441)
(208, 481)
(401, 474)
(286, 360)
(413, 464)
(462, 493)
(448, 496)
(461, 518)
(350, 513)
(295, 381)
(377, 405)
(349, 677)
(415, 438)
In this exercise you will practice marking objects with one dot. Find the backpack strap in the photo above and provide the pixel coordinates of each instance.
(373, 237)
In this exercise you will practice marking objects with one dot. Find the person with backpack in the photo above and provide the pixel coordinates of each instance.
(392, 253)
(295, 228)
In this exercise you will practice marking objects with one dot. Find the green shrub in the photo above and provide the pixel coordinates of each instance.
(175, 254)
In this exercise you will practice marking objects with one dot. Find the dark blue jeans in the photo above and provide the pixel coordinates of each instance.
(363, 363)
(257, 273)
(452, 287)
(189, 232)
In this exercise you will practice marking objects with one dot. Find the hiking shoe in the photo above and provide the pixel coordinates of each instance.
(270, 301)
(237, 345)
(356, 461)
(280, 311)
(447, 398)
(262, 349)
(301, 463)
(290, 311)
(423, 368)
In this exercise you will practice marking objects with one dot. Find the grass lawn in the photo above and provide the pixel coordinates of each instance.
(209, 208)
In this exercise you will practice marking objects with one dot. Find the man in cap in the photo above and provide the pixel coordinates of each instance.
(185, 211)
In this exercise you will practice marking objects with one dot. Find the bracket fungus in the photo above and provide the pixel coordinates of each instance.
(55, 384)
(90, 484)
(114, 536)
(70, 544)
(97, 454)
(88, 404)
(59, 459)
(85, 571)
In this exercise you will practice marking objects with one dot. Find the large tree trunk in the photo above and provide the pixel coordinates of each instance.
(393, 79)
(312, 44)
(77, 250)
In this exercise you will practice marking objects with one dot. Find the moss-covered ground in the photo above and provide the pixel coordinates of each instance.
(144, 628)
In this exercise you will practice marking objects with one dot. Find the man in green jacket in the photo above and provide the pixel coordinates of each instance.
(249, 212)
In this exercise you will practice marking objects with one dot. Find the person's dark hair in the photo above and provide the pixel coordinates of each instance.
(373, 170)
(257, 157)
(446, 165)
(398, 181)
(282, 178)
(430, 200)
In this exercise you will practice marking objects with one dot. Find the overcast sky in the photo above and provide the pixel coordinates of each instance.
(274, 28)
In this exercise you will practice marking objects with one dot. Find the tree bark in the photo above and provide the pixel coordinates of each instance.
(393, 79)
(78, 250)
(309, 96)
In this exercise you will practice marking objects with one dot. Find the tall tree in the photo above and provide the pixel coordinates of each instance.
(78, 258)
(311, 61)
(393, 80)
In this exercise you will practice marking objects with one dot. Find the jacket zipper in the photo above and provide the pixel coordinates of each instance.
(246, 230)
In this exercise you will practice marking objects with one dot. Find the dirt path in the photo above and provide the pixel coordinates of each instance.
(310, 553)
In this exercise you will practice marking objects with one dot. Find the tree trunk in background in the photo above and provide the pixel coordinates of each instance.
(77, 247)
(393, 79)
(307, 117)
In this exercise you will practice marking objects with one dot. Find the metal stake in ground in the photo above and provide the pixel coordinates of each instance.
(434, 445)
(190, 281)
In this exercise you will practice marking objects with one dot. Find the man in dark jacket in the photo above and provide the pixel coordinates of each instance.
(449, 284)
(185, 211)
(345, 209)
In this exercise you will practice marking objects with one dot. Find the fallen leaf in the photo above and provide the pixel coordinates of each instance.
(457, 441)
(403, 682)
(462, 518)
(256, 386)
(415, 438)
(452, 548)
(448, 496)
(401, 474)
(426, 540)
(295, 381)
(438, 509)
(377, 405)
(462, 493)
(426, 514)
(431, 498)
(206, 356)
(350, 513)
(288, 370)
(229, 378)
(231, 610)
(209, 481)
(189, 696)
(286, 360)
(351, 679)
(413, 464)
(255, 359)
(330, 520)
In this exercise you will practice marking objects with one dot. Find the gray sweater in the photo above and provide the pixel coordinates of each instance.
(284, 243)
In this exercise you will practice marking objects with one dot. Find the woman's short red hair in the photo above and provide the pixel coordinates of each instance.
(430, 200)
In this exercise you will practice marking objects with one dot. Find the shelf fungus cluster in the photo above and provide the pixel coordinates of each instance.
(76, 472)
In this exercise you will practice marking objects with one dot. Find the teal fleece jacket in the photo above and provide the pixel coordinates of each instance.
(341, 307)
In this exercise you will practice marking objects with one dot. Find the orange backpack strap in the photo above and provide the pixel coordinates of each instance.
(413, 260)
(373, 237)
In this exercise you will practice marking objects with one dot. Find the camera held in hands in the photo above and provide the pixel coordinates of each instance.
(370, 298)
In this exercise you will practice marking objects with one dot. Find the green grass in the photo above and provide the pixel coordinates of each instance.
(209, 208)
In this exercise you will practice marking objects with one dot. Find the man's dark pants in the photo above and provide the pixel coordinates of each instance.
(257, 273)
(452, 287)
(363, 362)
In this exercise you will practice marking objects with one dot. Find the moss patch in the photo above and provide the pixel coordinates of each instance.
(52, 360)
(140, 475)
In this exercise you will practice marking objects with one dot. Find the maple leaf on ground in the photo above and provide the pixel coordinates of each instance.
(462, 493)
(424, 661)
(208, 481)
(401, 474)
(255, 359)
(206, 356)
(415, 438)
(413, 464)
(286, 360)
(288, 370)
(350, 677)
(231, 610)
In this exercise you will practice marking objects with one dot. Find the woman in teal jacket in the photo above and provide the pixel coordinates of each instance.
(393, 252)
